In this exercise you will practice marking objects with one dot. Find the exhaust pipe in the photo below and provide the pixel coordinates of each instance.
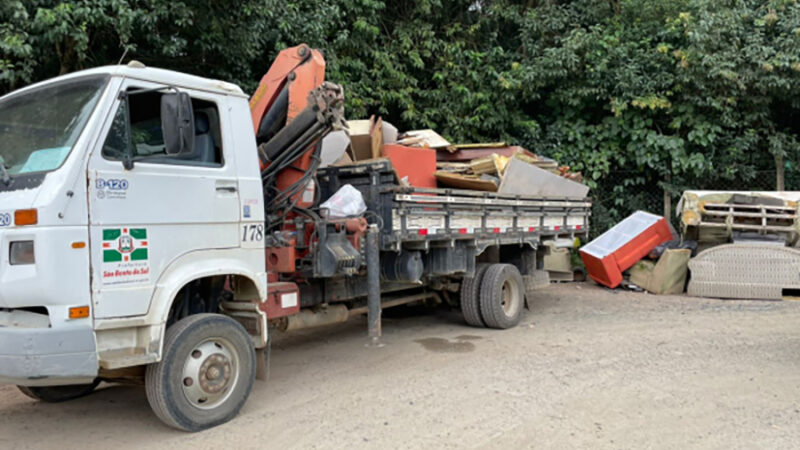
(312, 318)
(308, 318)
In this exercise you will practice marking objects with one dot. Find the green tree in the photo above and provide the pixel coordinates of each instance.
(639, 95)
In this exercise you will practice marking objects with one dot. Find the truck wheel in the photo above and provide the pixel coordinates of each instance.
(57, 394)
(205, 374)
(470, 297)
(502, 296)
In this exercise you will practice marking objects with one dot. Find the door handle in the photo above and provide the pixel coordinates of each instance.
(230, 189)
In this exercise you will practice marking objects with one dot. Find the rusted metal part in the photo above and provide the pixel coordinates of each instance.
(215, 373)
(283, 299)
(282, 259)
(251, 317)
(125, 375)
(356, 228)
(356, 225)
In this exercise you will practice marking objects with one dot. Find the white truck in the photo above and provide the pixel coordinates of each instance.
(136, 244)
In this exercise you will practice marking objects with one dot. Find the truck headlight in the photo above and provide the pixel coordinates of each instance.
(21, 252)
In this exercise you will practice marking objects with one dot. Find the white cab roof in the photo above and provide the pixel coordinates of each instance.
(152, 74)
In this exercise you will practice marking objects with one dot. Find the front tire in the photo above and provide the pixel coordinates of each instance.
(58, 394)
(205, 375)
(502, 296)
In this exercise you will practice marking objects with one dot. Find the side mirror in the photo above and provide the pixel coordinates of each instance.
(177, 123)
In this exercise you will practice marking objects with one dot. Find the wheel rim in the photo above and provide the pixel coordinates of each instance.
(210, 373)
(509, 298)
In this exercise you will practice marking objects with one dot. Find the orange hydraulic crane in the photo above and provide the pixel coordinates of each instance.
(292, 109)
(294, 73)
(293, 84)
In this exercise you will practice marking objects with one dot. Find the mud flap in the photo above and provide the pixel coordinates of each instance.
(262, 361)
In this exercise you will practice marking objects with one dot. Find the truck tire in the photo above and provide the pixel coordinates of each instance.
(205, 375)
(470, 297)
(58, 394)
(502, 296)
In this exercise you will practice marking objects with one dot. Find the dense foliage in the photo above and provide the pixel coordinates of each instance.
(672, 93)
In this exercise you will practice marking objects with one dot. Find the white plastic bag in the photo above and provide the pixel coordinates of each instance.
(346, 202)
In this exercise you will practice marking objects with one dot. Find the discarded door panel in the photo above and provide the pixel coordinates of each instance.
(522, 178)
(415, 165)
(622, 246)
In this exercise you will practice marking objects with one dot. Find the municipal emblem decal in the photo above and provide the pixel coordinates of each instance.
(125, 255)
(124, 244)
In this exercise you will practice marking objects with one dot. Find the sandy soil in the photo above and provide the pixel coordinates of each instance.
(587, 368)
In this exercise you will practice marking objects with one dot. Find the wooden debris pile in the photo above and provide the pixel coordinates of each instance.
(480, 166)
(483, 166)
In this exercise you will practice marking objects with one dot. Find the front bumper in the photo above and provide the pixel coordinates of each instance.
(47, 356)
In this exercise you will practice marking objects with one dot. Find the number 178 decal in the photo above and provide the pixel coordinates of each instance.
(253, 232)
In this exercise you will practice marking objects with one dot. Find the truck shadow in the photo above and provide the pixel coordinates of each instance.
(395, 321)
(112, 404)
(118, 415)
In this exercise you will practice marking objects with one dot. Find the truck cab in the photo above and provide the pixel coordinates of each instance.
(125, 193)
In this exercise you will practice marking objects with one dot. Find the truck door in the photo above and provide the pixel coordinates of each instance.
(165, 206)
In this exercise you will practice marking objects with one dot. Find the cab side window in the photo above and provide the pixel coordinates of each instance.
(137, 128)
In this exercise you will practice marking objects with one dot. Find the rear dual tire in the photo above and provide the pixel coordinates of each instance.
(471, 297)
(494, 297)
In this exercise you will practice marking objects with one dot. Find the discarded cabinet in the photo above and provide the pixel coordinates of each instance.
(622, 246)
(366, 138)
(557, 262)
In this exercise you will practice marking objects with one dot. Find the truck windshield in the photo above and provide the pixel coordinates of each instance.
(39, 127)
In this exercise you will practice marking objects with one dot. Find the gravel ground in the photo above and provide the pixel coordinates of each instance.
(587, 367)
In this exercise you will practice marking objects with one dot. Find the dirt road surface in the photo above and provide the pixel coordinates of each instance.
(587, 368)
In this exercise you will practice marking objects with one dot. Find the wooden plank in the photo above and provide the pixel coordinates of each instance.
(465, 181)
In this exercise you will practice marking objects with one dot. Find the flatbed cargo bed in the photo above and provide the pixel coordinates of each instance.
(409, 216)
